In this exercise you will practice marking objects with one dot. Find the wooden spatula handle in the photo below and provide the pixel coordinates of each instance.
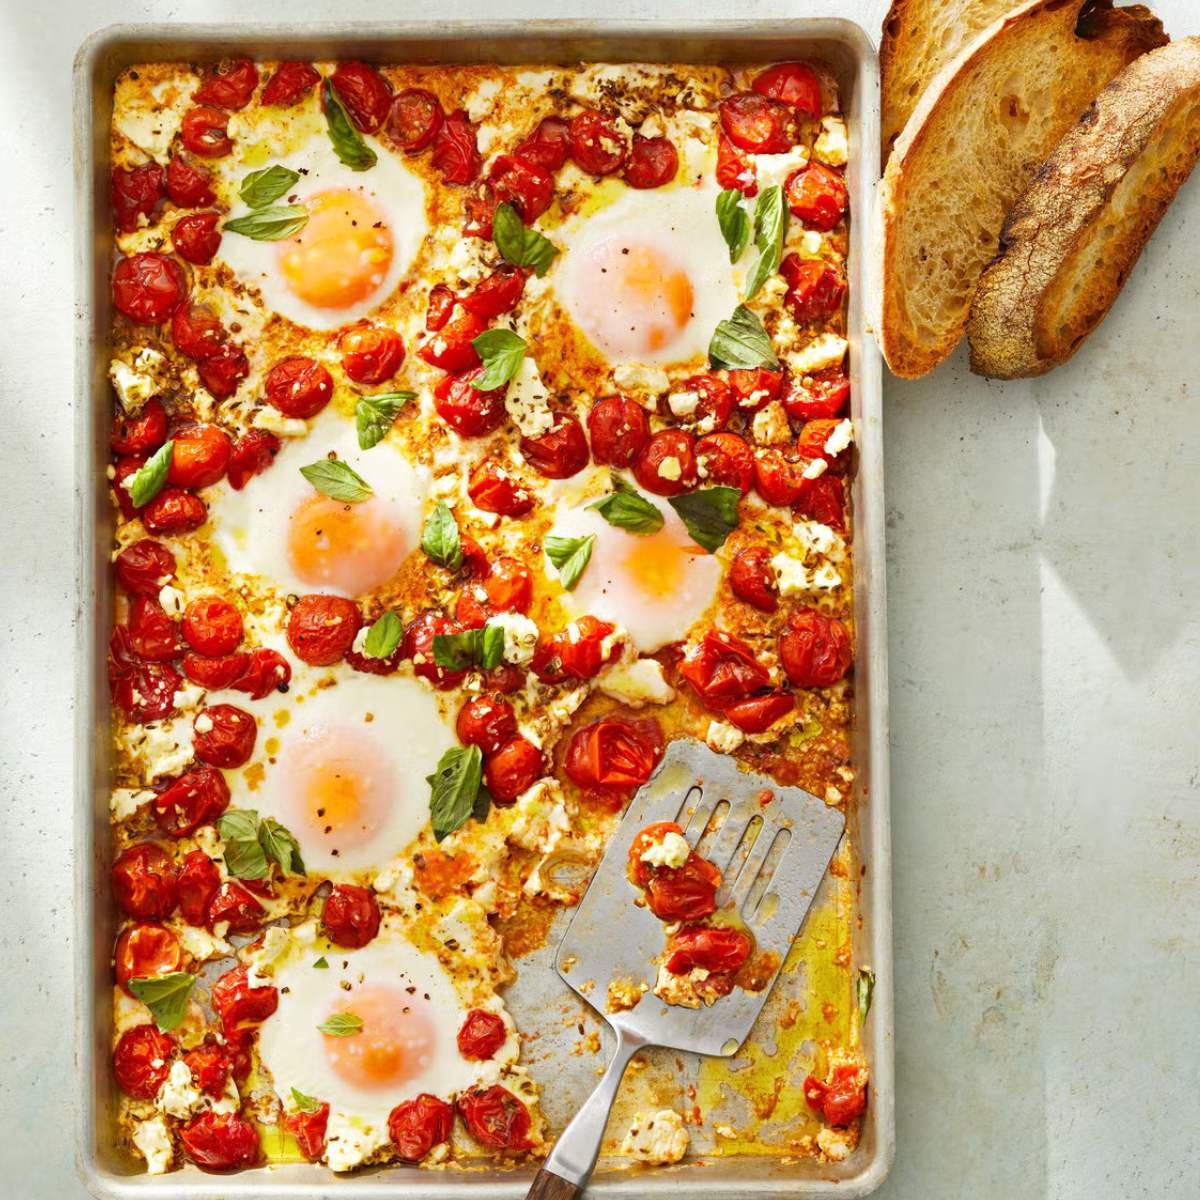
(548, 1186)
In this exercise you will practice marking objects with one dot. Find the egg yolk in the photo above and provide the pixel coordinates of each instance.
(347, 548)
(342, 254)
(639, 299)
(395, 1045)
(657, 565)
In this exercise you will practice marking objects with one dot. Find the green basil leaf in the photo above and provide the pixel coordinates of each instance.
(269, 224)
(569, 556)
(440, 538)
(491, 647)
(483, 804)
(457, 651)
(770, 231)
(245, 857)
(347, 143)
(322, 964)
(280, 846)
(710, 514)
(454, 789)
(734, 222)
(151, 477)
(373, 416)
(520, 246)
(628, 509)
(306, 1104)
(341, 1024)
(384, 636)
(264, 187)
(337, 480)
(166, 996)
(741, 342)
(502, 352)
(864, 987)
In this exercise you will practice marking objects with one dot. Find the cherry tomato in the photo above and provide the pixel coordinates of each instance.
(847, 1095)
(509, 585)
(823, 499)
(122, 470)
(351, 917)
(709, 398)
(450, 347)
(308, 1128)
(726, 460)
(145, 950)
(575, 653)
(145, 691)
(640, 872)
(322, 628)
(266, 671)
(215, 673)
(417, 646)
(220, 1141)
(142, 1061)
(493, 489)
(733, 171)
(153, 636)
(222, 371)
(815, 1090)
(528, 187)
(198, 797)
(212, 626)
(224, 736)
(188, 186)
(687, 893)
(480, 208)
(469, 411)
(414, 119)
(817, 195)
(497, 293)
(441, 307)
(652, 163)
(455, 152)
(810, 444)
(715, 948)
(794, 83)
(252, 454)
(481, 1035)
(548, 145)
(205, 131)
(723, 669)
(560, 452)
(291, 82)
(238, 1005)
(752, 578)
(374, 666)
(142, 433)
(196, 331)
(210, 1068)
(757, 123)
(174, 511)
(487, 722)
(200, 456)
(666, 464)
(416, 1126)
(299, 387)
(230, 84)
(816, 288)
(364, 93)
(196, 237)
(815, 649)
(756, 714)
(236, 907)
(512, 770)
(198, 882)
(144, 882)
(371, 353)
(135, 193)
(495, 1117)
(779, 480)
(618, 428)
(597, 144)
(820, 395)
(504, 679)
(148, 287)
(754, 388)
(611, 758)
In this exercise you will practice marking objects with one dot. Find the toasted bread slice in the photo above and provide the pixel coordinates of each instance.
(1072, 239)
(919, 38)
(971, 147)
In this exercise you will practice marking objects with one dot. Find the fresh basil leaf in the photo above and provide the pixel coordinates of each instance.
(741, 342)
(373, 416)
(166, 996)
(337, 480)
(483, 804)
(502, 352)
(322, 964)
(384, 636)
(491, 647)
(864, 987)
(770, 231)
(454, 789)
(245, 857)
(628, 509)
(481, 648)
(269, 224)
(518, 245)
(347, 143)
(440, 538)
(570, 556)
(341, 1024)
(151, 477)
(734, 222)
(710, 514)
(264, 187)
(306, 1104)
(280, 846)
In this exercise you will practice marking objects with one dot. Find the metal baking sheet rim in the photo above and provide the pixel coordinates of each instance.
(98, 61)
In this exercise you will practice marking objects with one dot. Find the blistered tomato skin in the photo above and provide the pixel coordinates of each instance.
(135, 194)
(198, 797)
(495, 1117)
(145, 882)
(414, 119)
(145, 950)
(321, 629)
(221, 1141)
(816, 288)
(197, 332)
(196, 885)
(455, 150)
(512, 769)
(199, 457)
(309, 1130)
(618, 428)
(494, 489)
(238, 1005)
(468, 410)
(299, 387)
(351, 917)
(817, 195)
(487, 722)
(560, 452)
(653, 162)
(196, 237)
(142, 1061)
(794, 83)
(549, 145)
(224, 736)
(666, 465)
(205, 131)
(252, 454)
(752, 578)
(597, 144)
(148, 287)
(174, 511)
(236, 908)
(364, 93)
(416, 1126)
(756, 123)
(481, 1035)
(142, 433)
(153, 636)
(528, 187)
(371, 353)
(611, 758)
(212, 626)
(222, 371)
(815, 649)
(290, 84)
(725, 460)
(417, 646)
(188, 185)
(229, 85)
(450, 347)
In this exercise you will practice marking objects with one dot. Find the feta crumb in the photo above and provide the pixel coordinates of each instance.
(539, 817)
(275, 422)
(124, 802)
(833, 1143)
(670, 468)
(634, 377)
(671, 851)
(527, 401)
(772, 169)
(832, 145)
(139, 382)
(170, 599)
(359, 645)
(482, 100)
(810, 243)
(204, 723)
(347, 1144)
(826, 577)
(179, 1096)
(771, 425)
(840, 438)
(825, 350)
(153, 1141)
(815, 469)
(262, 959)
(199, 943)
(683, 404)
(520, 636)
(659, 1137)
(637, 683)
(723, 737)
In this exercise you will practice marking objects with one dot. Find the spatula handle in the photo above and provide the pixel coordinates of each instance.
(566, 1172)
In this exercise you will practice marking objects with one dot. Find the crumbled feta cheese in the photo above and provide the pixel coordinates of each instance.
(795, 578)
(262, 959)
(840, 438)
(482, 100)
(139, 382)
(179, 1096)
(723, 737)
(527, 401)
(273, 421)
(153, 1141)
(670, 468)
(833, 1143)
(683, 404)
(161, 749)
(539, 817)
(832, 146)
(636, 683)
(633, 377)
(826, 577)
(124, 802)
(170, 600)
(825, 350)
(683, 990)
(771, 425)
(659, 1137)
(810, 243)
(772, 169)
(817, 538)
(359, 645)
(520, 636)
(815, 469)
(624, 994)
(348, 1143)
(204, 723)
(467, 261)
(671, 851)
(199, 943)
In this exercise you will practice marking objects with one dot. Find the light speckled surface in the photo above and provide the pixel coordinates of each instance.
(1045, 651)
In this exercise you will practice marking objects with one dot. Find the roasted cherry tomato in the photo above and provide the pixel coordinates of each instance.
(224, 736)
(364, 93)
(299, 387)
(215, 673)
(252, 454)
(146, 691)
(756, 714)
(196, 331)
(144, 882)
(197, 884)
(820, 395)
(574, 653)
(200, 456)
(597, 144)
(441, 307)
(733, 171)
(512, 769)
(493, 489)
(548, 145)
(416, 1126)
(220, 1141)
(687, 893)
(481, 1035)
(417, 646)
(815, 649)
(496, 293)
(196, 237)
(754, 388)
(135, 193)
(308, 1128)
(146, 950)
(153, 636)
(351, 916)
(142, 433)
(455, 151)
(778, 479)
(148, 287)
(371, 353)
(560, 452)
(824, 500)
(142, 1061)
(198, 797)
(638, 871)
(726, 460)
(495, 1117)
(794, 83)
(703, 402)
(487, 722)
(810, 444)
(174, 511)
(210, 1068)
(817, 195)
(451, 347)
(240, 1006)
(480, 208)
(652, 163)
(715, 948)
(723, 669)
(528, 187)
(266, 671)
(666, 464)
(756, 123)
(611, 758)
(235, 907)
(205, 131)
(468, 410)
(815, 288)
(752, 578)
(212, 626)
(123, 468)
(618, 428)
(229, 84)
(222, 371)
(414, 119)
(322, 628)
(847, 1095)
(188, 186)
(291, 82)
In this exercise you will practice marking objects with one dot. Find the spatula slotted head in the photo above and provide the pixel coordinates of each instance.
(772, 846)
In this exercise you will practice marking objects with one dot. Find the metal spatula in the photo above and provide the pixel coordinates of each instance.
(772, 846)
